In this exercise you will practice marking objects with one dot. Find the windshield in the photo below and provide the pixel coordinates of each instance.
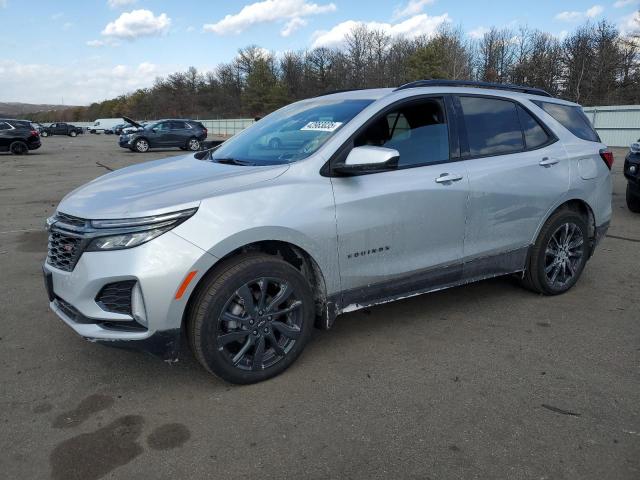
(291, 133)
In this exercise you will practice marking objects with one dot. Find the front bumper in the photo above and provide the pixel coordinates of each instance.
(124, 142)
(632, 160)
(159, 267)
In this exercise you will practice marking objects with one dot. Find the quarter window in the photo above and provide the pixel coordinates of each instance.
(572, 118)
(534, 135)
(418, 131)
(493, 127)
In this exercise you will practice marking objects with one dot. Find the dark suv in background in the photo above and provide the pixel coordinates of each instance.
(18, 136)
(632, 174)
(185, 134)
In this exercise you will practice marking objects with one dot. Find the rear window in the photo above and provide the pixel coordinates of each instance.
(572, 118)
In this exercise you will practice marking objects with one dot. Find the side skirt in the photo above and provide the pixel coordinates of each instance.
(426, 281)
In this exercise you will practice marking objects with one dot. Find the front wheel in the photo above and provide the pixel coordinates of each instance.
(141, 145)
(633, 200)
(251, 318)
(559, 255)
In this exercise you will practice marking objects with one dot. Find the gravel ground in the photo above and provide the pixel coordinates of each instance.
(484, 381)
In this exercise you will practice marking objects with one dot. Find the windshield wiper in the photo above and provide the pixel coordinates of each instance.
(233, 161)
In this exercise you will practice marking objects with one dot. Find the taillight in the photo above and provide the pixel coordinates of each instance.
(34, 133)
(206, 132)
(607, 156)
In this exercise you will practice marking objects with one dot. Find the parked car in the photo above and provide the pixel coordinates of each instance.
(632, 174)
(399, 192)
(18, 136)
(103, 124)
(61, 128)
(185, 134)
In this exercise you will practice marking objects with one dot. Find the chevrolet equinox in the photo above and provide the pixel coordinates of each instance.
(367, 196)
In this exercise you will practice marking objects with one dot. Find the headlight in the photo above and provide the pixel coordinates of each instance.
(131, 232)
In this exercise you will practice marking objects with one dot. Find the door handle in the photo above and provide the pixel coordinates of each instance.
(547, 162)
(448, 178)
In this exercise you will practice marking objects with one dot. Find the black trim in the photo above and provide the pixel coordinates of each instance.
(340, 155)
(164, 344)
(429, 280)
(466, 155)
(601, 232)
(474, 84)
(407, 285)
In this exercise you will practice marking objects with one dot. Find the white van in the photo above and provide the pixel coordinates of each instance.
(101, 123)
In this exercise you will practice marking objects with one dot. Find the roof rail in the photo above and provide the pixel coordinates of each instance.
(470, 83)
(331, 92)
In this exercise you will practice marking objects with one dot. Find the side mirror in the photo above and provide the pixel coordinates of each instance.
(154, 130)
(368, 159)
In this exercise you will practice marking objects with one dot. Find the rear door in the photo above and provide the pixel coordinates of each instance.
(517, 172)
(179, 132)
(402, 231)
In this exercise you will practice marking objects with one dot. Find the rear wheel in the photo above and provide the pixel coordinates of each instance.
(633, 200)
(559, 255)
(73, 133)
(193, 144)
(45, 133)
(251, 318)
(19, 148)
(141, 145)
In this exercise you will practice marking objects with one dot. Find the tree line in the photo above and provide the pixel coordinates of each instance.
(593, 65)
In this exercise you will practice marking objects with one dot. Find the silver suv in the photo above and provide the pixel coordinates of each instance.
(385, 194)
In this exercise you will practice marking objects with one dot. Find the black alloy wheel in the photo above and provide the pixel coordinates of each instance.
(559, 255)
(250, 318)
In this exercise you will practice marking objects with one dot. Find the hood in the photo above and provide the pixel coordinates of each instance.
(132, 122)
(161, 186)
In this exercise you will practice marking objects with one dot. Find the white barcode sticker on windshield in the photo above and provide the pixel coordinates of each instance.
(322, 126)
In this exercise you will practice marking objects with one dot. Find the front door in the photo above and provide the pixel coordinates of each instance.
(402, 231)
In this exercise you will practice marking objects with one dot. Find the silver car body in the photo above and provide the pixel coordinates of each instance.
(371, 238)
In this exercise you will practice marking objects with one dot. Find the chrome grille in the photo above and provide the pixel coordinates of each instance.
(65, 241)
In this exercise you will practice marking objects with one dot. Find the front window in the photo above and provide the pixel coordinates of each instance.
(417, 130)
(291, 133)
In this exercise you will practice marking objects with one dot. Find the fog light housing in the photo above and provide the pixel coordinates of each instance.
(633, 169)
(138, 310)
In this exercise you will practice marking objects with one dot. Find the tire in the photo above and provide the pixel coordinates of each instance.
(45, 134)
(275, 143)
(220, 295)
(73, 133)
(18, 148)
(193, 144)
(633, 200)
(569, 260)
(141, 145)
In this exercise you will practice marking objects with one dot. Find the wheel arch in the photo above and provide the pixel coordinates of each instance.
(293, 254)
(575, 204)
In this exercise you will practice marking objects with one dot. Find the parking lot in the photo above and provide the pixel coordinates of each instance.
(484, 381)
